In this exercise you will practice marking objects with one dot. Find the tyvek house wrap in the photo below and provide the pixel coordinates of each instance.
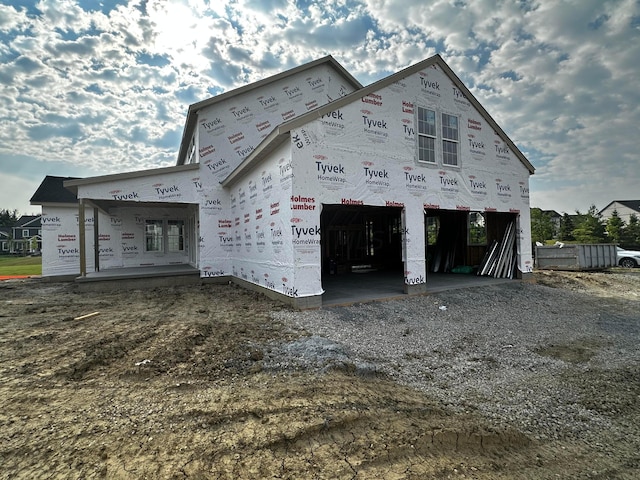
(365, 153)
(231, 129)
(227, 133)
(61, 255)
(261, 212)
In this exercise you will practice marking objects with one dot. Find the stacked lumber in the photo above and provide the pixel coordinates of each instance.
(500, 259)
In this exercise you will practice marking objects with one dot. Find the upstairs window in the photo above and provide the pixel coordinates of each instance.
(438, 134)
(450, 140)
(426, 135)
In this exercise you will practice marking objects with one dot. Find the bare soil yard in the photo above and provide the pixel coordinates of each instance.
(181, 383)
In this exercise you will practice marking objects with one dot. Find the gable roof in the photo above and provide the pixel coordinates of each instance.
(552, 213)
(192, 113)
(52, 190)
(631, 204)
(281, 132)
(28, 221)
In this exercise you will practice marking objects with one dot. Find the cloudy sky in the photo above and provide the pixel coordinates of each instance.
(98, 87)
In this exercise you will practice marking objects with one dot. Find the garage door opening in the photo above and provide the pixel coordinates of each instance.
(361, 250)
(360, 238)
(464, 242)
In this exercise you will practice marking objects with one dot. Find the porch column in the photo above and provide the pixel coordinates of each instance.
(96, 245)
(81, 239)
(413, 241)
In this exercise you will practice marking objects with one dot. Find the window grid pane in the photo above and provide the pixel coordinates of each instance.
(449, 153)
(449, 140)
(426, 149)
(153, 236)
(449, 127)
(426, 135)
(426, 122)
(175, 235)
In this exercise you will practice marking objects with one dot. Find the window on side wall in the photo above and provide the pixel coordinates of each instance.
(427, 135)
(450, 140)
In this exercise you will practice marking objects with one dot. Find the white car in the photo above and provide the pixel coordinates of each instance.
(628, 258)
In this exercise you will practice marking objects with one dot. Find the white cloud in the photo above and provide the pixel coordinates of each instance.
(90, 88)
(12, 194)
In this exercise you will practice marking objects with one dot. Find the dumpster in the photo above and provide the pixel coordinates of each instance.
(578, 256)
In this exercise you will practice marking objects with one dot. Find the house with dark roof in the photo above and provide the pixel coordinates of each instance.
(308, 174)
(625, 209)
(5, 240)
(26, 236)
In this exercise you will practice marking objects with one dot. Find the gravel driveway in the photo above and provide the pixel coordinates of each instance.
(554, 363)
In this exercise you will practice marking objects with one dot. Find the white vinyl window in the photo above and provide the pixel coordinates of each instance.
(426, 135)
(25, 233)
(431, 134)
(175, 235)
(154, 236)
(450, 140)
(163, 236)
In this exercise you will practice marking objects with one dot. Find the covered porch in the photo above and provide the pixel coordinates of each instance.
(120, 239)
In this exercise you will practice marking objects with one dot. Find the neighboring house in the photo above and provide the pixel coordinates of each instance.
(555, 220)
(27, 235)
(625, 209)
(5, 240)
(306, 174)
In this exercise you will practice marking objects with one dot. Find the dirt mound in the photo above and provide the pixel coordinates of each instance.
(204, 382)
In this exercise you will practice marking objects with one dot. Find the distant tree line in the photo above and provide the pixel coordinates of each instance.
(586, 227)
(8, 218)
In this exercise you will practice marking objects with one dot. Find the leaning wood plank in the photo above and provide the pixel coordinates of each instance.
(82, 317)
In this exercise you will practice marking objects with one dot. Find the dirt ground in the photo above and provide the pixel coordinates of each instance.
(169, 383)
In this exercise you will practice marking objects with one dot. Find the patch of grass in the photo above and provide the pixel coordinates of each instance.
(20, 265)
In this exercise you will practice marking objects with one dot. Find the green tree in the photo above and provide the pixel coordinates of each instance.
(541, 226)
(630, 236)
(590, 227)
(614, 227)
(565, 232)
(8, 218)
